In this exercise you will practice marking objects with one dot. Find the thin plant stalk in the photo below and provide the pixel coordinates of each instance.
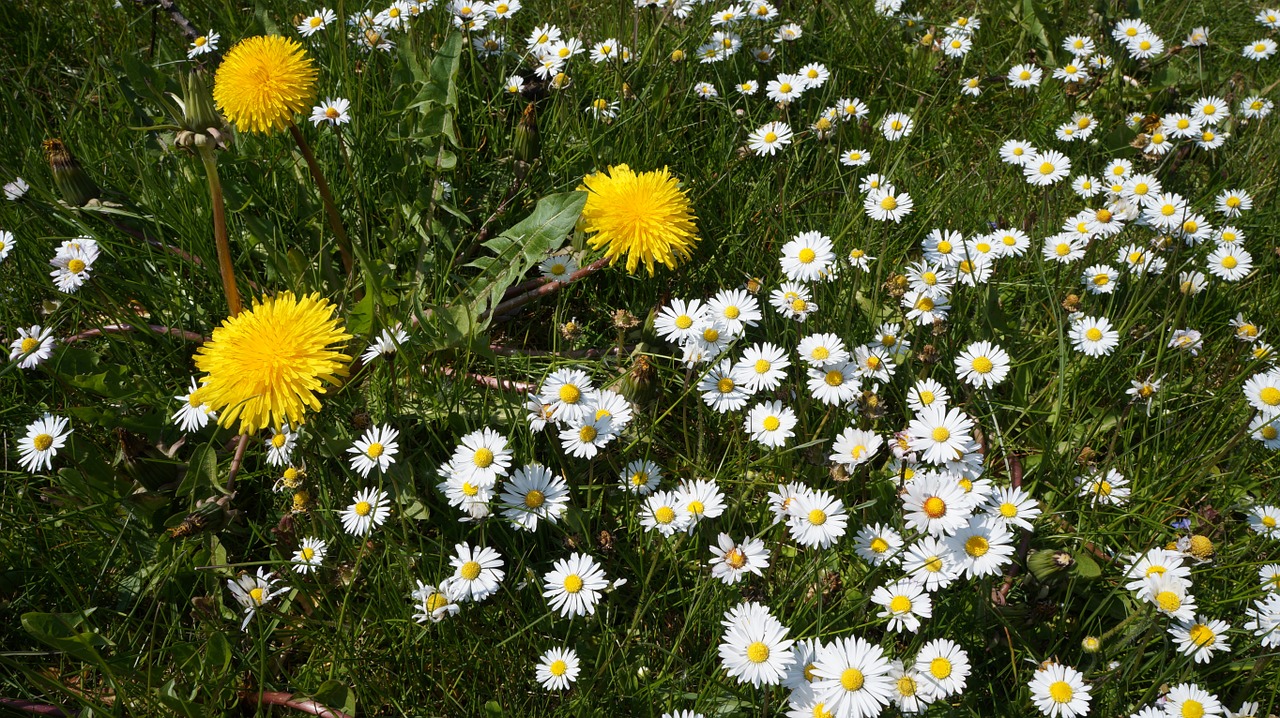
(335, 220)
(220, 231)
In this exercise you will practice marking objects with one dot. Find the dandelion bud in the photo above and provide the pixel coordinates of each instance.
(76, 187)
(526, 146)
(1045, 565)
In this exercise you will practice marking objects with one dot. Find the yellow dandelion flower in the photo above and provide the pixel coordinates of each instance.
(265, 365)
(645, 216)
(263, 82)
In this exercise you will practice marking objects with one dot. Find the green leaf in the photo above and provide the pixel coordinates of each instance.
(335, 695)
(493, 709)
(1085, 566)
(202, 470)
(66, 632)
(217, 655)
(515, 252)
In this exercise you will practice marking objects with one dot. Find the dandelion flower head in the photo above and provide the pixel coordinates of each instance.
(263, 82)
(265, 365)
(645, 216)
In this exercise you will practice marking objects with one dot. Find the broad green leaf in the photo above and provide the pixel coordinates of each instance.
(333, 694)
(66, 632)
(515, 252)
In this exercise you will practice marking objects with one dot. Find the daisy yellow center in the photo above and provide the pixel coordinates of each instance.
(817, 517)
(1233, 202)
(1168, 210)
(1269, 432)
(587, 434)
(771, 423)
(256, 594)
(770, 137)
(1046, 168)
(941, 434)
(29, 345)
(1229, 262)
(1024, 75)
(1093, 334)
(940, 667)
(640, 478)
(944, 247)
(935, 508)
(1259, 47)
(762, 366)
(307, 553)
(757, 652)
(711, 334)
(643, 216)
(900, 604)
(926, 398)
(534, 499)
(75, 266)
(858, 253)
(889, 203)
(983, 365)
(906, 686)
(331, 112)
(363, 508)
(1062, 249)
(573, 583)
(558, 668)
(470, 489)
(976, 546)
(697, 508)
(1061, 692)
(1169, 601)
(1202, 635)
(873, 362)
(375, 450)
(436, 601)
(933, 564)
(315, 22)
(469, 570)
(735, 558)
(1270, 396)
(852, 679)
(570, 394)
(725, 385)
(1192, 708)
(896, 124)
(664, 515)
(807, 255)
(924, 304)
(1101, 279)
(956, 44)
(42, 442)
(1190, 226)
(732, 312)
(1269, 522)
(879, 545)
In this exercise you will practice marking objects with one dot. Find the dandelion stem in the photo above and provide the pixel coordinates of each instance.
(335, 220)
(220, 231)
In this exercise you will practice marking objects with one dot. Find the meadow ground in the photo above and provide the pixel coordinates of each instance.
(933, 374)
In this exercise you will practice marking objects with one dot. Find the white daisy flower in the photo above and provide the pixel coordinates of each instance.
(574, 584)
(376, 449)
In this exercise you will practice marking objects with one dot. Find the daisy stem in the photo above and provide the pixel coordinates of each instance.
(331, 209)
(220, 230)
